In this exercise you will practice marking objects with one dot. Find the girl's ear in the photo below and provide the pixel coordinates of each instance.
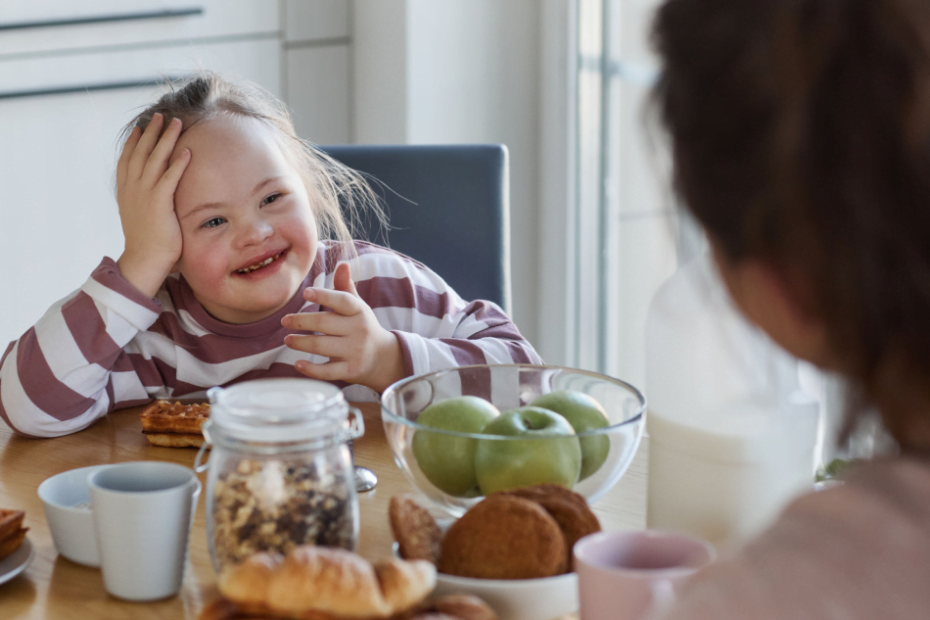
(765, 297)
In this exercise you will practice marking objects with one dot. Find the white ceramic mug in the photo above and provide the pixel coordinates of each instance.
(625, 575)
(143, 513)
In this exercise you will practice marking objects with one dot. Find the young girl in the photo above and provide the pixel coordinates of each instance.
(800, 133)
(237, 266)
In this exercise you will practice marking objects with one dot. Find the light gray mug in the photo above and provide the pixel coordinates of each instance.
(143, 512)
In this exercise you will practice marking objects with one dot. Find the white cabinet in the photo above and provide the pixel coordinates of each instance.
(31, 26)
(65, 93)
(316, 20)
(317, 47)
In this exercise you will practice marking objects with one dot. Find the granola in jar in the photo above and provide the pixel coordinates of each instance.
(280, 468)
(274, 506)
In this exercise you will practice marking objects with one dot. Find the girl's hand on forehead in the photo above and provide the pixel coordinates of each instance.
(359, 349)
(146, 184)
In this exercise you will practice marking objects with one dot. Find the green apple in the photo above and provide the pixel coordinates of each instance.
(584, 413)
(446, 461)
(548, 451)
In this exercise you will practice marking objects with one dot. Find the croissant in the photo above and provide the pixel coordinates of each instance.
(326, 581)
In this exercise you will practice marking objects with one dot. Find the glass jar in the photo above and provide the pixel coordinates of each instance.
(280, 470)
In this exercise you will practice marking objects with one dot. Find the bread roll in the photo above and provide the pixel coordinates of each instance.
(250, 581)
(405, 583)
(315, 580)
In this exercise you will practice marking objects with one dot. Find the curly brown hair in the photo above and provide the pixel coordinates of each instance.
(800, 133)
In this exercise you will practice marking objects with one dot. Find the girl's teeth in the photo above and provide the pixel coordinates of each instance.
(264, 263)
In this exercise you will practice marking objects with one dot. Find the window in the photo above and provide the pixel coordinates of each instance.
(628, 235)
(626, 226)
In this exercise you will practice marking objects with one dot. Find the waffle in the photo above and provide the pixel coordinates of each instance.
(12, 532)
(175, 425)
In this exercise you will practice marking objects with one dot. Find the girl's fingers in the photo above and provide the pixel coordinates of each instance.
(330, 371)
(342, 279)
(324, 346)
(169, 181)
(122, 167)
(158, 161)
(322, 322)
(140, 154)
(340, 302)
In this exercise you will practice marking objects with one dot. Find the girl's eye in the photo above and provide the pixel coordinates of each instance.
(270, 199)
(213, 223)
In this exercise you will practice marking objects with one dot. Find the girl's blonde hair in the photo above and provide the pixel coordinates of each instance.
(338, 194)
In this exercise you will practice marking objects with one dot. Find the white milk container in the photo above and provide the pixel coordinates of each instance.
(731, 434)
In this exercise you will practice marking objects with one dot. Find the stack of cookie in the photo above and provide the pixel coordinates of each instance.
(523, 533)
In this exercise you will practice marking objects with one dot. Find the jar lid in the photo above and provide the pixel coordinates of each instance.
(278, 410)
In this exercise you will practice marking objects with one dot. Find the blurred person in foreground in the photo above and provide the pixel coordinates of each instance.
(800, 135)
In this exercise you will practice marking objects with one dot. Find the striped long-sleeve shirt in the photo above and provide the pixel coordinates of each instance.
(108, 346)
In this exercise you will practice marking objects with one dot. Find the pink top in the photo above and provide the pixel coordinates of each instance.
(107, 345)
(860, 551)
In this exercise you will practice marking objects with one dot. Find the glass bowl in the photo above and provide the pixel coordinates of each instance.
(508, 387)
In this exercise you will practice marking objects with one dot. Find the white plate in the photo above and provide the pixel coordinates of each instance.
(16, 562)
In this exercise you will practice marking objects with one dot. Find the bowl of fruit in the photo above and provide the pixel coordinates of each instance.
(463, 433)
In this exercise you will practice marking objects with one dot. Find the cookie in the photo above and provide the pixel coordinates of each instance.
(547, 490)
(460, 606)
(416, 532)
(504, 537)
(569, 509)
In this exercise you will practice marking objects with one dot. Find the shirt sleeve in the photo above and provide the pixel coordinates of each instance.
(436, 328)
(62, 374)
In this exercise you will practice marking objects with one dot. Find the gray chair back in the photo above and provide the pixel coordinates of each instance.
(449, 208)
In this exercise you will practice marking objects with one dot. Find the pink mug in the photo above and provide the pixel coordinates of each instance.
(625, 575)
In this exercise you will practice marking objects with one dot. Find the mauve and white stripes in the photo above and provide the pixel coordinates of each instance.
(107, 346)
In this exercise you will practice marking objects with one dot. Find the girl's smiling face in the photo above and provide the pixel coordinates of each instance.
(249, 235)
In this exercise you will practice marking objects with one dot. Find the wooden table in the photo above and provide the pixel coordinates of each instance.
(53, 587)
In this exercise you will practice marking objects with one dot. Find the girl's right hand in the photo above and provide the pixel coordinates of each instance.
(145, 187)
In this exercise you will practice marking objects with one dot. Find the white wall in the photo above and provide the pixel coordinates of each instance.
(459, 71)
